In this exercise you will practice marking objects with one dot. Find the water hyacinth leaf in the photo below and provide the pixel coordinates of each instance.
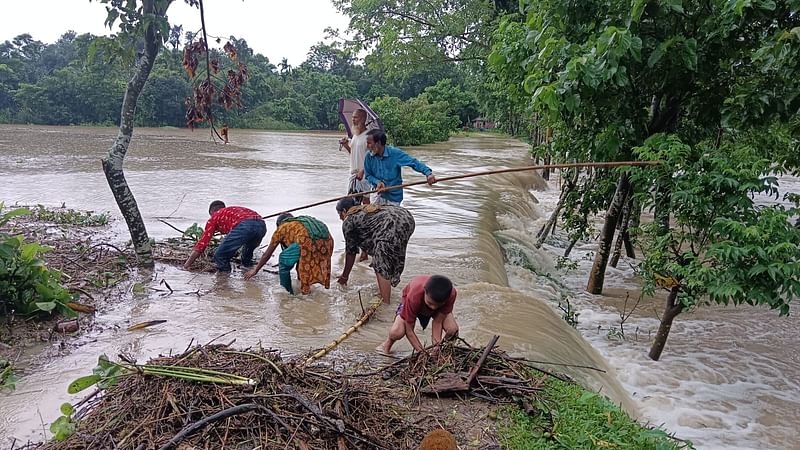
(109, 372)
(9, 382)
(66, 311)
(7, 250)
(67, 409)
(62, 428)
(82, 383)
(45, 306)
(105, 367)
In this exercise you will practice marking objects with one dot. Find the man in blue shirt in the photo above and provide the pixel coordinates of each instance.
(383, 167)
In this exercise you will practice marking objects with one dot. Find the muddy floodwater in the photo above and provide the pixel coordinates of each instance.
(729, 378)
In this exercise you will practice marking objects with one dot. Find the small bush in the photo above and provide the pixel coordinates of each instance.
(27, 286)
(415, 121)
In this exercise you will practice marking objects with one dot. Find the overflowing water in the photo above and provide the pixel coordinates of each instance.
(728, 378)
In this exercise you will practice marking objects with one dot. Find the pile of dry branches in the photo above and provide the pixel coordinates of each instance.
(287, 405)
(176, 251)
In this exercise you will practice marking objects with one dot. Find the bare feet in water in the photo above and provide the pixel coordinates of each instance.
(381, 349)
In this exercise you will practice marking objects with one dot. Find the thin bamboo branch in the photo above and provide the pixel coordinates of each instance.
(477, 174)
(335, 343)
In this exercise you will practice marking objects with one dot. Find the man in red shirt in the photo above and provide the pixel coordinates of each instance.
(426, 297)
(244, 229)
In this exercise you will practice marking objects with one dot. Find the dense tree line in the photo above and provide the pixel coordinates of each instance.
(77, 80)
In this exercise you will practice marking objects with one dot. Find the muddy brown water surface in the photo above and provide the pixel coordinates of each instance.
(729, 378)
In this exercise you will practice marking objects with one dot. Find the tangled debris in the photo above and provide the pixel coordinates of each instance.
(175, 251)
(288, 404)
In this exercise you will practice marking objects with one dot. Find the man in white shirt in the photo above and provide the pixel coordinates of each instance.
(357, 147)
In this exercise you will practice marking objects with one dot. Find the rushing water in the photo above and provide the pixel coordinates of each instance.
(729, 377)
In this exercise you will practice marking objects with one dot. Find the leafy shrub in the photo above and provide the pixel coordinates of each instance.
(27, 286)
(276, 115)
(415, 121)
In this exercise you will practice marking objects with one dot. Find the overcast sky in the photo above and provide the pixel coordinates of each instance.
(274, 28)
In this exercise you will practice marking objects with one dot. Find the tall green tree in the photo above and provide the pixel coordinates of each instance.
(612, 78)
(148, 24)
(460, 102)
(413, 34)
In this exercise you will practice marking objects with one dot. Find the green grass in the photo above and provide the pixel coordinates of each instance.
(569, 417)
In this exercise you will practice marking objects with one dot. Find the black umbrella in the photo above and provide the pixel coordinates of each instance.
(346, 108)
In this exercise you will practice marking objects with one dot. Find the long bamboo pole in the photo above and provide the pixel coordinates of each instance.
(335, 343)
(477, 174)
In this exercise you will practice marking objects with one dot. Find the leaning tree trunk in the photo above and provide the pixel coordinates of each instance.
(112, 164)
(598, 274)
(569, 248)
(622, 236)
(635, 221)
(672, 308)
(546, 170)
(549, 226)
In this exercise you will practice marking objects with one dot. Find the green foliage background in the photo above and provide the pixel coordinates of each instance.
(80, 79)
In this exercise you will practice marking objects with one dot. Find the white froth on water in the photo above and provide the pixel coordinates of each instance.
(729, 377)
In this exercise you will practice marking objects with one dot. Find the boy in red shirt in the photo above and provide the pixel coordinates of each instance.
(244, 228)
(426, 297)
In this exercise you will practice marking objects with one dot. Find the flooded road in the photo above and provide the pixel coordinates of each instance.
(728, 379)
(176, 173)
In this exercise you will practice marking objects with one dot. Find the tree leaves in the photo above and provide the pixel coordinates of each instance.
(82, 383)
(674, 5)
(656, 55)
(637, 9)
(27, 286)
(723, 247)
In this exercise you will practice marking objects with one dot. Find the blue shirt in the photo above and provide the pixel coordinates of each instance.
(387, 168)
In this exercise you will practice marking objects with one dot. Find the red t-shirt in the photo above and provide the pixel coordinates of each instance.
(223, 221)
(414, 301)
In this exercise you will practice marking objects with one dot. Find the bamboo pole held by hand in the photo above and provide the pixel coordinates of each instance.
(477, 174)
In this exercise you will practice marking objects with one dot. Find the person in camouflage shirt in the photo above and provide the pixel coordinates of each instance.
(383, 232)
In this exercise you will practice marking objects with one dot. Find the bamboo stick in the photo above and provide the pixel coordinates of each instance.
(477, 174)
(335, 343)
